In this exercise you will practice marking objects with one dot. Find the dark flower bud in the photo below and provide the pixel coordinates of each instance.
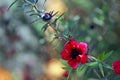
(47, 17)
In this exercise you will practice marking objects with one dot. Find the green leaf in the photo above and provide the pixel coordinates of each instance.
(67, 68)
(97, 74)
(92, 64)
(44, 28)
(101, 69)
(12, 4)
(108, 54)
(80, 68)
(104, 56)
(92, 58)
(101, 57)
(92, 79)
(107, 66)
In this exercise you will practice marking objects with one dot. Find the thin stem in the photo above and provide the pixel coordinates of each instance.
(43, 4)
(69, 74)
(52, 27)
(34, 6)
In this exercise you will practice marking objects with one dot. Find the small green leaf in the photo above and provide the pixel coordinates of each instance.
(92, 58)
(80, 68)
(107, 66)
(67, 68)
(101, 57)
(97, 74)
(44, 28)
(108, 54)
(104, 56)
(12, 4)
(93, 64)
(93, 79)
(101, 69)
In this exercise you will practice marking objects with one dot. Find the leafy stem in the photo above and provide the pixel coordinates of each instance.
(69, 74)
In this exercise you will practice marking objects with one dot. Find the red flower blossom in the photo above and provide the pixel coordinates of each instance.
(116, 67)
(74, 53)
(65, 74)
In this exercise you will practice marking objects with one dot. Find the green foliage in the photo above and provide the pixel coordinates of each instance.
(104, 56)
(107, 66)
(93, 64)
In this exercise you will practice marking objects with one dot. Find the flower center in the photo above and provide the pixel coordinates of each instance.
(74, 54)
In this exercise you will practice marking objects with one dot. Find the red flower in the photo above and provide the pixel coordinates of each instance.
(116, 67)
(65, 74)
(74, 53)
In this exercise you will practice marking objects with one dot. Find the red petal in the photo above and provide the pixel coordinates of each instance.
(83, 47)
(82, 59)
(116, 67)
(73, 63)
(117, 70)
(116, 63)
(71, 44)
(65, 54)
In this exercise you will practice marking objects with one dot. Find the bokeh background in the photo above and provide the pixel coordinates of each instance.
(27, 53)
